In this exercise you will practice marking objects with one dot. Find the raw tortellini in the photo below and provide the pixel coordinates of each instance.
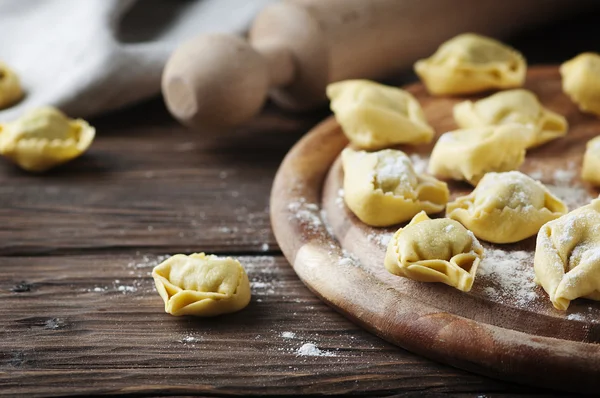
(506, 207)
(470, 63)
(439, 250)
(374, 116)
(581, 81)
(513, 106)
(382, 188)
(470, 153)
(590, 171)
(567, 256)
(10, 87)
(44, 138)
(202, 285)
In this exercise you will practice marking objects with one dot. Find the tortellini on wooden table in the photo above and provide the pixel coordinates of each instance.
(581, 81)
(382, 188)
(469, 154)
(513, 106)
(375, 116)
(567, 256)
(10, 87)
(439, 250)
(471, 63)
(506, 207)
(44, 138)
(590, 170)
(202, 285)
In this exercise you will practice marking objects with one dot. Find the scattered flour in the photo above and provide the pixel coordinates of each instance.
(576, 317)
(509, 275)
(288, 335)
(307, 213)
(348, 259)
(311, 350)
(264, 247)
(419, 163)
(190, 339)
(339, 200)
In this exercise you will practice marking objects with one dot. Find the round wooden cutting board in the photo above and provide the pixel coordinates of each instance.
(505, 327)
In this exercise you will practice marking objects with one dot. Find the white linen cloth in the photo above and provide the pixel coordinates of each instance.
(91, 56)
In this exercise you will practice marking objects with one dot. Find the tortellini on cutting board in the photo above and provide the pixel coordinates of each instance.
(506, 207)
(10, 87)
(439, 250)
(469, 154)
(374, 116)
(471, 63)
(581, 81)
(590, 170)
(44, 138)
(513, 106)
(202, 285)
(382, 188)
(567, 256)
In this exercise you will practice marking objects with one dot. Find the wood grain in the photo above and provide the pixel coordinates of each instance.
(474, 331)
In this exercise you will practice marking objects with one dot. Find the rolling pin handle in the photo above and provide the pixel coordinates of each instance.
(220, 80)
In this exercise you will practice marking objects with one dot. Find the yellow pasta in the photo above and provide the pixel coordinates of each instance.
(439, 250)
(382, 188)
(471, 63)
(44, 138)
(10, 87)
(590, 171)
(202, 285)
(581, 81)
(374, 116)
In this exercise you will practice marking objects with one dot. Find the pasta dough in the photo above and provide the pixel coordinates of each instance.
(506, 207)
(10, 87)
(44, 138)
(374, 116)
(202, 285)
(470, 63)
(470, 153)
(382, 188)
(581, 81)
(567, 256)
(590, 171)
(513, 106)
(439, 250)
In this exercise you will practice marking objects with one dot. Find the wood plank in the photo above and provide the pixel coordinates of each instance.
(152, 184)
(93, 324)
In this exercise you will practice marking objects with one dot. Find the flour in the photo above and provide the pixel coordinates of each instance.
(307, 213)
(339, 200)
(419, 163)
(311, 350)
(509, 276)
(288, 335)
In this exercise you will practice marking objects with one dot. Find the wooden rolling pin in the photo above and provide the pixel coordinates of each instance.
(297, 47)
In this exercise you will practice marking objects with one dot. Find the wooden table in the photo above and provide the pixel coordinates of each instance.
(79, 312)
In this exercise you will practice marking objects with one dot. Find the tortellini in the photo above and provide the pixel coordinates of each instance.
(382, 188)
(506, 207)
(439, 250)
(470, 153)
(202, 285)
(581, 81)
(44, 138)
(374, 116)
(10, 87)
(567, 256)
(513, 106)
(470, 63)
(590, 171)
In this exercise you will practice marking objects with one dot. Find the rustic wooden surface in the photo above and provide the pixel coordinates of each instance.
(79, 315)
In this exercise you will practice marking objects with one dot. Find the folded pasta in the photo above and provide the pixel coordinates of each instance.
(590, 170)
(471, 63)
(513, 106)
(374, 116)
(201, 285)
(439, 250)
(10, 87)
(44, 138)
(581, 81)
(567, 256)
(382, 188)
(506, 207)
(469, 154)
